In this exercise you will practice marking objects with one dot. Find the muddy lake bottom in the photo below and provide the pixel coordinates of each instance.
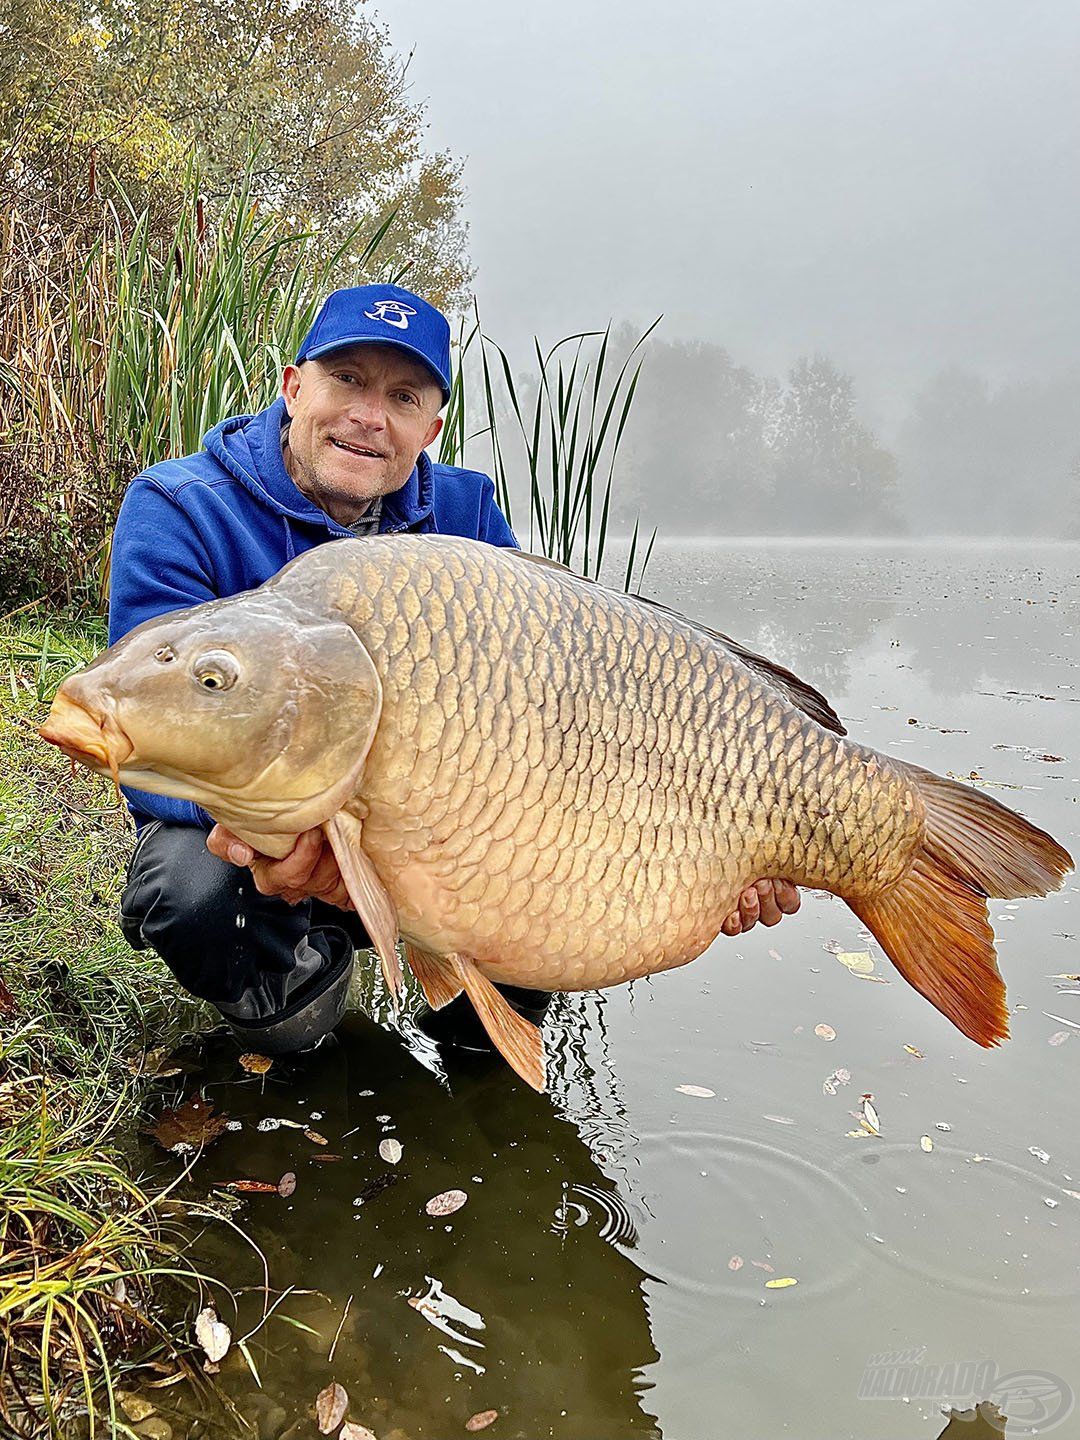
(612, 1271)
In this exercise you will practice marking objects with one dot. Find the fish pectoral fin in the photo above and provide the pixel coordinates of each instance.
(517, 1040)
(368, 894)
(438, 978)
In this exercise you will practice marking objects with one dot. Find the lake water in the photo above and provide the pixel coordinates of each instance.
(591, 1289)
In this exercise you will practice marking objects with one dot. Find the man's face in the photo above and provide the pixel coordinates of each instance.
(359, 419)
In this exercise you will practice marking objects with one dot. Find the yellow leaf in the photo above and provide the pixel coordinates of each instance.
(926, 1143)
(859, 961)
(256, 1064)
(781, 1283)
(911, 1050)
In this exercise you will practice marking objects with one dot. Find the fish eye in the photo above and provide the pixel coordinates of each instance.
(216, 670)
(164, 653)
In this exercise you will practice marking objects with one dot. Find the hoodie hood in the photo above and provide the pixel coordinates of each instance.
(249, 448)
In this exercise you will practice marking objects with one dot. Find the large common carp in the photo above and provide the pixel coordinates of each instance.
(536, 780)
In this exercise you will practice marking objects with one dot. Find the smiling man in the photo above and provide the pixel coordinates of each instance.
(341, 452)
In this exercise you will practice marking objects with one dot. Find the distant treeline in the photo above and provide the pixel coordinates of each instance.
(712, 447)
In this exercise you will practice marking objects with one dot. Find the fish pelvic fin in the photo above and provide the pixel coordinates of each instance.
(368, 894)
(933, 924)
(517, 1039)
(438, 978)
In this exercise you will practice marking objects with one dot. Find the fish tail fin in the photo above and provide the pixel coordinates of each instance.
(933, 923)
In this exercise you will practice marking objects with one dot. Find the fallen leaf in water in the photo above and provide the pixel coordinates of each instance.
(861, 962)
(700, 1091)
(735, 1263)
(325, 1157)
(782, 1283)
(926, 1143)
(286, 1186)
(315, 1137)
(1040, 1155)
(256, 1064)
(330, 1407)
(481, 1420)
(763, 1265)
(824, 1032)
(275, 1122)
(390, 1150)
(1058, 1038)
(942, 1125)
(188, 1126)
(156, 1064)
(446, 1203)
(869, 1116)
(779, 1119)
(136, 1407)
(253, 1187)
(1075, 1194)
(911, 1050)
(349, 1431)
(213, 1335)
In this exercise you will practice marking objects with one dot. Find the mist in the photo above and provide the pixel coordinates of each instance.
(857, 220)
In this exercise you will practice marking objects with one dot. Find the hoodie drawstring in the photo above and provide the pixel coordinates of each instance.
(290, 552)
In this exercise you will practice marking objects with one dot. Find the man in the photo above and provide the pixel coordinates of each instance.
(341, 452)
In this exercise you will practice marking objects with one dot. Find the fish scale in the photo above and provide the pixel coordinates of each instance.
(660, 799)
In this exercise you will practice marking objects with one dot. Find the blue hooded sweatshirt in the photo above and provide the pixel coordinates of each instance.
(225, 520)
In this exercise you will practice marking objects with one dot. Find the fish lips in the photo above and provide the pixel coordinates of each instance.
(94, 740)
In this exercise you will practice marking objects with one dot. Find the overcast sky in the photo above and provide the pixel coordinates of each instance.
(893, 182)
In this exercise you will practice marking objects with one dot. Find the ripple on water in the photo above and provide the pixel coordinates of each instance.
(716, 1197)
(979, 1227)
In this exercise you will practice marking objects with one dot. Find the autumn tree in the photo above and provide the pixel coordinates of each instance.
(144, 88)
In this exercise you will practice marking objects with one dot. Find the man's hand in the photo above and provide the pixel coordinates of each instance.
(766, 900)
(309, 871)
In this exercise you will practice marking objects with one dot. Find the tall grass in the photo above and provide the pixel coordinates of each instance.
(559, 430)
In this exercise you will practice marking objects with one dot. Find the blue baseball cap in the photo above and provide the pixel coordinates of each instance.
(382, 315)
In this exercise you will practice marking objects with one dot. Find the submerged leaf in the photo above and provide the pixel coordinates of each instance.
(481, 1420)
(390, 1150)
(213, 1335)
(188, 1126)
(330, 1407)
(349, 1431)
(252, 1187)
(286, 1186)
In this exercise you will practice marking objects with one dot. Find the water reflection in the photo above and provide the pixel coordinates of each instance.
(527, 1305)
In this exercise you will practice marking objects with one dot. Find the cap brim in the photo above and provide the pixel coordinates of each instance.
(347, 342)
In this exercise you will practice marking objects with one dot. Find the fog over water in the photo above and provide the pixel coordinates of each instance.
(888, 186)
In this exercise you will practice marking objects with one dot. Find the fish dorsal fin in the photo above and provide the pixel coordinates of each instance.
(368, 894)
(798, 691)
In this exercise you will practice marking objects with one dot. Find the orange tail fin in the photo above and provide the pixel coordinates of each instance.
(933, 924)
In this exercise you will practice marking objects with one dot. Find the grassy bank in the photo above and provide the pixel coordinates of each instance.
(84, 1248)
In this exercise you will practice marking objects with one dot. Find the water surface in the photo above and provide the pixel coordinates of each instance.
(608, 1274)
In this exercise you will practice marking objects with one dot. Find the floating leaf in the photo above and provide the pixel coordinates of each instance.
(1058, 1038)
(781, 1283)
(286, 1186)
(275, 1122)
(326, 1157)
(869, 1116)
(252, 1187)
(349, 1431)
(860, 962)
(926, 1143)
(735, 1263)
(213, 1335)
(481, 1420)
(330, 1407)
(1075, 1194)
(188, 1126)
(700, 1091)
(912, 1050)
(763, 1265)
(942, 1125)
(315, 1137)
(256, 1064)
(390, 1150)
(779, 1119)
(1040, 1155)
(446, 1203)
(824, 1032)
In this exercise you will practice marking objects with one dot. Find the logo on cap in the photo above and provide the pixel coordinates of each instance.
(393, 312)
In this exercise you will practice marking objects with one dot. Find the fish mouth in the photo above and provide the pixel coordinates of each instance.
(96, 741)
(365, 452)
